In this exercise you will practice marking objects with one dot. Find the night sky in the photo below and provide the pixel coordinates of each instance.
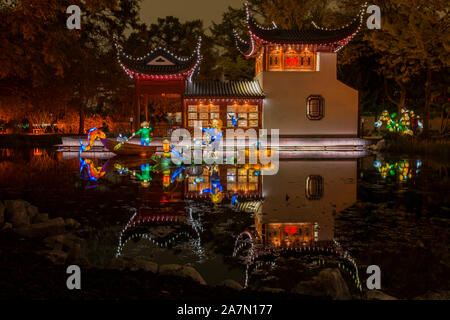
(206, 10)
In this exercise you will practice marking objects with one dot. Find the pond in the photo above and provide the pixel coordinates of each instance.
(262, 231)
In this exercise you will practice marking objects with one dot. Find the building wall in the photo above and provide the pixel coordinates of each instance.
(339, 193)
(287, 92)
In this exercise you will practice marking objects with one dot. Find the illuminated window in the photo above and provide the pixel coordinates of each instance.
(315, 107)
(242, 115)
(203, 113)
(314, 187)
(275, 59)
(307, 60)
(291, 60)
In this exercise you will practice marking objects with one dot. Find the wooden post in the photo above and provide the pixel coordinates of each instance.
(146, 107)
(138, 112)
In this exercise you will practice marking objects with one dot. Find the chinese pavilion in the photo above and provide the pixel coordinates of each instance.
(295, 87)
(297, 71)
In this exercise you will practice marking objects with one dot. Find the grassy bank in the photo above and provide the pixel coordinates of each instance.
(29, 141)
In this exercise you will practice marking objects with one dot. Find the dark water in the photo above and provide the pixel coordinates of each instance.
(315, 213)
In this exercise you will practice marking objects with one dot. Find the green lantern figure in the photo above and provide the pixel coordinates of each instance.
(145, 133)
(145, 176)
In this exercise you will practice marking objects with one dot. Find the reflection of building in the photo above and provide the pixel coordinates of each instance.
(297, 215)
(300, 201)
(162, 228)
(242, 180)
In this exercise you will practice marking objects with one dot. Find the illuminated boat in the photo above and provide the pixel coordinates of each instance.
(128, 149)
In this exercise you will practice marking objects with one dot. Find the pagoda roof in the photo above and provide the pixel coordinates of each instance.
(160, 64)
(320, 37)
(229, 89)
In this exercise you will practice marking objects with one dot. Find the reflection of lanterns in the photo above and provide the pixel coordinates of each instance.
(166, 145)
(166, 178)
(217, 198)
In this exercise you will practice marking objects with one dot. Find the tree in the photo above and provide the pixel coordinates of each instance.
(179, 38)
(41, 57)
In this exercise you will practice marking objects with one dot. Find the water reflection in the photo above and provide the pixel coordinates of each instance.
(158, 228)
(260, 226)
(297, 215)
(400, 171)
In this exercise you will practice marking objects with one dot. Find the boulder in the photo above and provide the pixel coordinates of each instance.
(32, 212)
(54, 242)
(7, 226)
(328, 282)
(272, 290)
(16, 213)
(229, 283)
(74, 253)
(435, 295)
(333, 284)
(55, 256)
(43, 229)
(181, 271)
(72, 224)
(41, 217)
(133, 264)
(378, 295)
(309, 288)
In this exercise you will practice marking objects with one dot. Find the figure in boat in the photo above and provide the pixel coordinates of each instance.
(145, 133)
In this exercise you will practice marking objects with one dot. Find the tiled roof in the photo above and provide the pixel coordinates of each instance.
(160, 62)
(311, 36)
(232, 89)
(333, 39)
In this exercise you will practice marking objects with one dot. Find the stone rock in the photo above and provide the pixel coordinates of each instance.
(16, 213)
(7, 226)
(41, 217)
(133, 264)
(43, 229)
(333, 284)
(75, 252)
(32, 212)
(54, 242)
(272, 290)
(328, 282)
(309, 288)
(2, 213)
(378, 295)
(181, 271)
(55, 256)
(435, 295)
(72, 223)
(229, 283)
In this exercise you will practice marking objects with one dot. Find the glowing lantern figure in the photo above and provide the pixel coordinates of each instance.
(216, 188)
(93, 135)
(145, 176)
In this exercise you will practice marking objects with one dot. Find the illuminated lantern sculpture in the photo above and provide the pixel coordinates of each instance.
(144, 176)
(166, 178)
(166, 147)
(409, 122)
(93, 135)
